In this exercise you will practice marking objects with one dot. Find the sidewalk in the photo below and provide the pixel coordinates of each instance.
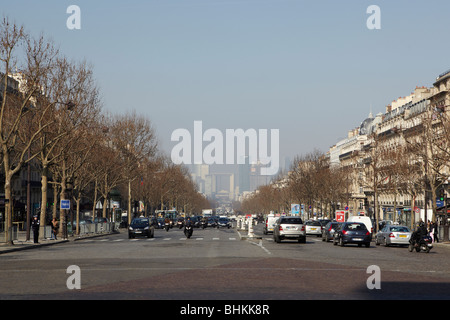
(22, 244)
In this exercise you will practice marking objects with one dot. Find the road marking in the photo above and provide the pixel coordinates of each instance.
(118, 240)
(166, 239)
(134, 239)
(199, 239)
(216, 238)
(232, 238)
(261, 246)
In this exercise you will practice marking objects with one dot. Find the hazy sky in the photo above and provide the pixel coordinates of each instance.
(311, 69)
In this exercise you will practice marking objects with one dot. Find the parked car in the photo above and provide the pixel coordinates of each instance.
(329, 230)
(313, 227)
(141, 227)
(393, 234)
(270, 221)
(100, 220)
(352, 232)
(289, 228)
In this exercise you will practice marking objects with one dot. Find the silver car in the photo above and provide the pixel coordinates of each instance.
(393, 234)
(313, 227)
(289, 228)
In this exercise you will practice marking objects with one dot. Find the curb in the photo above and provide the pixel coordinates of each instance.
(21, 247)
(28, 246)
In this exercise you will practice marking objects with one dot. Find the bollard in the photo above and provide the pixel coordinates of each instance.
(250, 228)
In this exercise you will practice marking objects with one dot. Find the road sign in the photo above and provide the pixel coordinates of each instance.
(65, 204)
(340, 216)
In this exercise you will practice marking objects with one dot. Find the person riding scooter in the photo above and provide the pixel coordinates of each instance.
(188, 227)
(419, 233)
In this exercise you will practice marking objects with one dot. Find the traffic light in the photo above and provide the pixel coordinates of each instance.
(442, 194)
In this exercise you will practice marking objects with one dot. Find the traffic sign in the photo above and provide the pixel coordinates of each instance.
(340, 216)
(65, 204)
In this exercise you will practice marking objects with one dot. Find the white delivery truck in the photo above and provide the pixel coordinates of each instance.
(270, 221)
(363, 219)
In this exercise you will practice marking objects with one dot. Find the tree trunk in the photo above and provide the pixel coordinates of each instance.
(44, 190)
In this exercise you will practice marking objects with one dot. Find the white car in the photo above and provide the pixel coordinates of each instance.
(313, 227)
(291, 228)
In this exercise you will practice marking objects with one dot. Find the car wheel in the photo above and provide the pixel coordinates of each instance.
(341, 242)
(277, 239)
(367, 244)
(376, 241)
(386, 243)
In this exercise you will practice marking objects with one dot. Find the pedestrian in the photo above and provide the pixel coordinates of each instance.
(35, 228)
(430, 230)
(436, 236)
(54, 228)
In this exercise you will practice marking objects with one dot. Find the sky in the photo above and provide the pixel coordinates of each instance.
(311, 69)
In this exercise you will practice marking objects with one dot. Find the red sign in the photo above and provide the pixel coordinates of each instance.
(340, 216)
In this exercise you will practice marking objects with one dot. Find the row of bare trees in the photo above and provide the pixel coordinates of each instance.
(51, 115)
(311, 181)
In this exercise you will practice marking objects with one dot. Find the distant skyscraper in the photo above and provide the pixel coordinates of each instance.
(244, 176)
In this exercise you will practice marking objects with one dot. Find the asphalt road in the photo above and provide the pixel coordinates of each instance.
(216, 265)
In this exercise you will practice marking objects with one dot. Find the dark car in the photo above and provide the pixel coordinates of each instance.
(224, 222)
(100, 220)
(329, 230)
(352, 232)
(141, 227)
(212, 222)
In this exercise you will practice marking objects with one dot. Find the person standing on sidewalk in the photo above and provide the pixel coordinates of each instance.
(54, 228)
(35, 228)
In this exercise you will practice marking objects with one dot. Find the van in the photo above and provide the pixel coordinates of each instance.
(363, 219)
(270, 221)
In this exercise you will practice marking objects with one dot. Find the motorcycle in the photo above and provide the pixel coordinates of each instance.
(167, 226)
(188, 231)
(425, 244)
(203, 224)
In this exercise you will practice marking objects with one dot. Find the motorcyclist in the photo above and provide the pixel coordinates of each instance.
(420, 232)
(166, 222)
(188, 223)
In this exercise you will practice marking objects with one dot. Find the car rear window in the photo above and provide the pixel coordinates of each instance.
(313, 223)
(355, 226)
(399, 229)
(291, 221)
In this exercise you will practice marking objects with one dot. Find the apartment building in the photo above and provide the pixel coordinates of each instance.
(399, 127)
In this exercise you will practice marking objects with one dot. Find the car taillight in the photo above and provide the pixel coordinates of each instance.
(344, 231)
(367, 233)
(391, 235)
(281, 228)
(330, 229)
(303, 228)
